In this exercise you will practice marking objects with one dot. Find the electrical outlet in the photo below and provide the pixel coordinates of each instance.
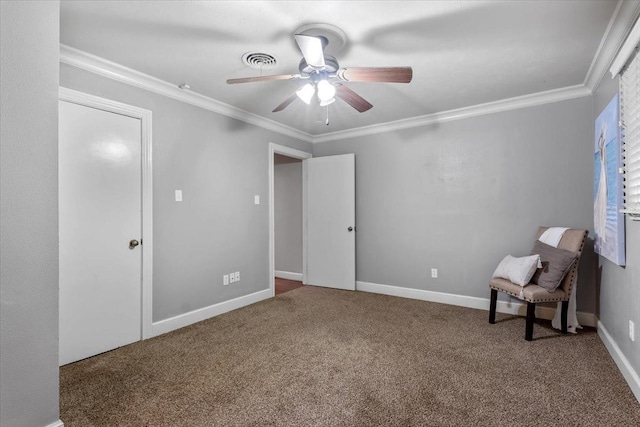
(632, 330)
(225, 279)
(434, 273)
(237, 276)
(232, 278)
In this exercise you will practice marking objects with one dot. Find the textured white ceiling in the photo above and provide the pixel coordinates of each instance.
(463, 53)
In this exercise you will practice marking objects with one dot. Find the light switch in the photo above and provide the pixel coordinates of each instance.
(256, 200)
(178, 195)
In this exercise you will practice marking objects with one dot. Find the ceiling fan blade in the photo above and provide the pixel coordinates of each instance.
(352, 98)
(312, 49)
(264, 78)
(376, 74)
(285, 103)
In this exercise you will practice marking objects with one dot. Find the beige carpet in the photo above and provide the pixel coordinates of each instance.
(323, 357)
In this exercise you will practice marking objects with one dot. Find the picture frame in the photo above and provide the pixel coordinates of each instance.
(608, 191)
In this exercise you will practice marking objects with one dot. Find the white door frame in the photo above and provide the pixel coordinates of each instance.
(104, 104)
(296, 154)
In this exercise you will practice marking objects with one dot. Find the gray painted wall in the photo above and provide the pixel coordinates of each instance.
(619, 287)
(29, 46)
(459, 196)
(288, 216)
(220, 164)
(456, 196)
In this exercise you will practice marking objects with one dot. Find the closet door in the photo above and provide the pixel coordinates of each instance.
(100, 230)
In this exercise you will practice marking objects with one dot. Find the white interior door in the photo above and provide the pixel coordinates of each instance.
(100, 213)
(331, 237)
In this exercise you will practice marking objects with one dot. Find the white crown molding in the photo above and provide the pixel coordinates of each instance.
(95, 64)
(626, 50)
(613, 37)
(620, 25)
(515, 103)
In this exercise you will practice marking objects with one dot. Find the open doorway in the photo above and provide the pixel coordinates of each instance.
(287, 214)
(287, 187)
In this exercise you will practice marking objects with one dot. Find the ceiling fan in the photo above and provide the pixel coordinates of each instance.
(325, 77)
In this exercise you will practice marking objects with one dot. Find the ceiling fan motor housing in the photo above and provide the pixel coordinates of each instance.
(331, 66)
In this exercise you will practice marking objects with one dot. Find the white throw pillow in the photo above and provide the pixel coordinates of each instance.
(517, 270)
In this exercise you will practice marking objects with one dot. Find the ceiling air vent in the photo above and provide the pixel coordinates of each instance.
(259, 60)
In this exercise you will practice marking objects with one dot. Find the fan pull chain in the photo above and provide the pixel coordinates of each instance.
(327, 122)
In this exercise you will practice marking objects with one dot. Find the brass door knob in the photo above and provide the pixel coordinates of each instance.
(133, 244)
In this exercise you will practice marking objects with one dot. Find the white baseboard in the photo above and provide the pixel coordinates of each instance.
(586, 319)
(58, 423)
(397, 291)
(186, 319)
(288, 275)
(629, 374)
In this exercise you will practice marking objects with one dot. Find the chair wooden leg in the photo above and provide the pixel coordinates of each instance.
(531, 317)
(563, 316)
(492, 306)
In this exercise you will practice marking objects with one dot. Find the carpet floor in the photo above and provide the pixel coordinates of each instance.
(325, 357)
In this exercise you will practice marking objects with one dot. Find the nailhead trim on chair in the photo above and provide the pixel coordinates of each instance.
(574, 269)
(528, 300)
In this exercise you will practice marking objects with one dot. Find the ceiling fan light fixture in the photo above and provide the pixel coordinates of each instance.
(327, 102)
(326, 91)
(306, 92)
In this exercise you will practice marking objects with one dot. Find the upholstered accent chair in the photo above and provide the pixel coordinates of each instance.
(572, 240)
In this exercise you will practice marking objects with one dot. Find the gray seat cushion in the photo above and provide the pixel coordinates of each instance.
(531, 293)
